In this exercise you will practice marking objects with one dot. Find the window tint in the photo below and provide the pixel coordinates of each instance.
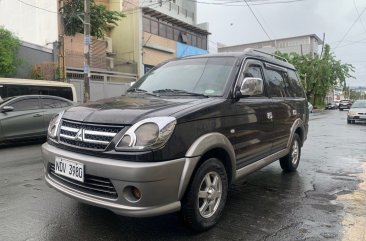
(26, 104)
(276, 83)
(17, 90)
(293, 84)
(54, 103)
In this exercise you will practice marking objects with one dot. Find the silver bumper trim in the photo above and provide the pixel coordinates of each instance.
(114, 207)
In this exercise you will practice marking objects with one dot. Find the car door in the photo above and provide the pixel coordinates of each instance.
(51, 107)
(254, 126)
(26, 120)
(283, 110)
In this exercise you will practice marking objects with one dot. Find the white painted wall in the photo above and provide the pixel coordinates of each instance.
(29, 23)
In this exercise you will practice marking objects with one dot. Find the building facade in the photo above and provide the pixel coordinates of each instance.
(33, 21)
(153, 32)
(304, 45)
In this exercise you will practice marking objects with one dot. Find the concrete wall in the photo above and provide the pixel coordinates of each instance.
(99, 89)
(157, 49)
(127, 37)
(29, 23)
(30, 55)
(74, 52)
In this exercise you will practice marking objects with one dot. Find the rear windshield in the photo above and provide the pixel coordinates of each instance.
(359, 104)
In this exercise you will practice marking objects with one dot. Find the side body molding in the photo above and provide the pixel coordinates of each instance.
(202, 145)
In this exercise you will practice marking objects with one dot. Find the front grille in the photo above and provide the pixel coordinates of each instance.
(87, 136)
(94, 185)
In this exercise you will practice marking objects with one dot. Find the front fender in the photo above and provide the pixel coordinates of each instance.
(201, 146)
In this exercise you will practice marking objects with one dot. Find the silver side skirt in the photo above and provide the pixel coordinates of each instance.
(260, 164)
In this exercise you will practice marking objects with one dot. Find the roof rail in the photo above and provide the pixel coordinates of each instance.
(262, 52)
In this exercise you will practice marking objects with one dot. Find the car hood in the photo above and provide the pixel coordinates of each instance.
(358, 110)
(127, 110)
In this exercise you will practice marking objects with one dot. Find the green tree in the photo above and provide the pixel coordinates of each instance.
(100, 18)
(319, 74)
(9, 45)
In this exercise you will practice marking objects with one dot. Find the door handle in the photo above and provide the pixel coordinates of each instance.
(37, 115)
(269, 115)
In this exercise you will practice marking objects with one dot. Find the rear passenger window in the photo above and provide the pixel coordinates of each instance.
(294, 84)
(277, 86)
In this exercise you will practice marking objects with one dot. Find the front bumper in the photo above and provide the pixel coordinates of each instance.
(357, 118)
(161, 183)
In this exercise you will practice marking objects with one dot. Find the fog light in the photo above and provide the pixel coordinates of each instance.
(132, 194)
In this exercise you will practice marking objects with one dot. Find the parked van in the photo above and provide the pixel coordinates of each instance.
(16, 87)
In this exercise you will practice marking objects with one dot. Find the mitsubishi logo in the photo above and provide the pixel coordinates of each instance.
(79, 135)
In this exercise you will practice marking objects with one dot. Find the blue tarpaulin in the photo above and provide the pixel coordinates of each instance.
(188, 50)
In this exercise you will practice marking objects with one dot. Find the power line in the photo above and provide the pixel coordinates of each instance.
(358, 13)
(264, 30)
(350, 28)
(36, 7)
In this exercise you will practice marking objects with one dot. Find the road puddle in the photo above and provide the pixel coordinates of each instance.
(354, 222)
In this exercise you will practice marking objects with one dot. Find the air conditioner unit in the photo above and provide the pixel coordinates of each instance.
(109, 44)
(110, 63)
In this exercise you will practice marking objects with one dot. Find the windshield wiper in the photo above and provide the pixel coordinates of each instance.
(137, 90)
(178, 92)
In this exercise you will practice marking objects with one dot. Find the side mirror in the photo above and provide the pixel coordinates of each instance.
(7, 109)
(251, 86)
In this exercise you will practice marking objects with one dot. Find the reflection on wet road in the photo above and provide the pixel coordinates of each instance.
(324, 200)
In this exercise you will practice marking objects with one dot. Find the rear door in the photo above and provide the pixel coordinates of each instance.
(252, 138)
(283, 111)
(26, 120)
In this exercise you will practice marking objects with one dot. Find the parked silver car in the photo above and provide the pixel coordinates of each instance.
(357, 113)
(27, 117)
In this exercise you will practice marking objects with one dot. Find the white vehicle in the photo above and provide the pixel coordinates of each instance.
(16, 87)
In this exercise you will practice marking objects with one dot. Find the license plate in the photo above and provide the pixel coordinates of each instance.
(70, 169)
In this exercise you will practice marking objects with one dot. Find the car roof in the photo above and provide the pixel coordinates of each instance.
(270, 58)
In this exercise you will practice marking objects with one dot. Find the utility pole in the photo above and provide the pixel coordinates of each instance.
(61, 42)
(87, 42)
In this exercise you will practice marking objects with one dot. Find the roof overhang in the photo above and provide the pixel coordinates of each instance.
(156, 14)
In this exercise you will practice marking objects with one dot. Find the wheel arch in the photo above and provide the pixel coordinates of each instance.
(209, 145)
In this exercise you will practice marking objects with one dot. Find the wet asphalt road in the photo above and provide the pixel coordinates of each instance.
(267, 205)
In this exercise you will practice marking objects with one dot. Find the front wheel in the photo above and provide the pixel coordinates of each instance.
(290, 162)
(206, 196)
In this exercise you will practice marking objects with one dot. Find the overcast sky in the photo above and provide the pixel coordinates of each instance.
(233, 25)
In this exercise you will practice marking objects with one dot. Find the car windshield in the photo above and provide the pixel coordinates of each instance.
(196, 76)
(359, 104)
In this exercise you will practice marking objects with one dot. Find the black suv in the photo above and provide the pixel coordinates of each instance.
(180, 136)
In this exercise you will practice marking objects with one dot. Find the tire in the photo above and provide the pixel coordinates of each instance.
(349, 122)
(205, 219)
(290, 162)
(340, 109)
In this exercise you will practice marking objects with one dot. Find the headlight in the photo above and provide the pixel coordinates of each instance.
(54, 124)
(352, 113)
(150, 133)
